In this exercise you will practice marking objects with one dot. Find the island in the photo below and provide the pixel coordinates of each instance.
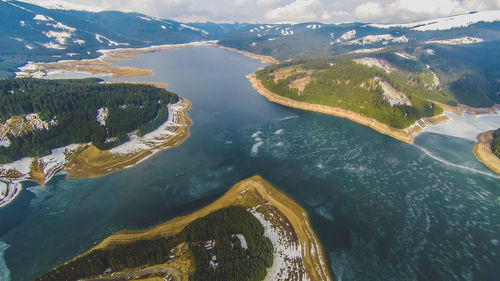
(83, 127)
(487, 149)
(253, 232)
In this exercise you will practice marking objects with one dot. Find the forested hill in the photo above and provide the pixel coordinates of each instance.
(39, 115)
(385, 95)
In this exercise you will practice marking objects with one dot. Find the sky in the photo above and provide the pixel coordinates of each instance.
(276, 11)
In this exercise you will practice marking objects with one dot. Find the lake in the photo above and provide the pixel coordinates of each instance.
(383, 209)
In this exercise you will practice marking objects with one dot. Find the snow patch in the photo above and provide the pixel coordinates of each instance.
(102, 115)
(382, 38)
(242, 239)
(313, 26)
(448, 22)
(194, 28)
(286, 252)
(59, 36)
(42, 18)
(457, 41)
(111, 43)
(158, 136)
(393, 96)
(383, 64)
(405, 55)
(347, 36)
(52, 45)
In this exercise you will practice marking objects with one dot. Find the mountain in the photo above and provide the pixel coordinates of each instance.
(34, 33)
(284, 41)
(447, 23)
(462, 51)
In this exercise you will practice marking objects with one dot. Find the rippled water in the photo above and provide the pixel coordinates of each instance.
(383, 209)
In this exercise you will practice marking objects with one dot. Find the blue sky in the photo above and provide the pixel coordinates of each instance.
(273, 11)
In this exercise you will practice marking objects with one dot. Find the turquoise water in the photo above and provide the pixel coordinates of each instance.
(383, 209)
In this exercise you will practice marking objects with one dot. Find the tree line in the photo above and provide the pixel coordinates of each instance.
(138, 253)
(234, 262)
(73, 104)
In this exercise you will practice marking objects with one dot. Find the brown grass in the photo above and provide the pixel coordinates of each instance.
(482, 151)
(300, 83)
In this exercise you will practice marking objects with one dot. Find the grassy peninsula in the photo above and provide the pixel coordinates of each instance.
(253, 232)
(487, 149)
(377, 96)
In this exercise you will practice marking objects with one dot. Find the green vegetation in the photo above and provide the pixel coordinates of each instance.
(73, 105)
(233, 261)
(345, 84)
(495, 146)
(139, 253)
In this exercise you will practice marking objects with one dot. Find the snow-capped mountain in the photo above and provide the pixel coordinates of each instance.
(447, 23)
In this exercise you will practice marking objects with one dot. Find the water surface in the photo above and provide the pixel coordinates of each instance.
(383, 209)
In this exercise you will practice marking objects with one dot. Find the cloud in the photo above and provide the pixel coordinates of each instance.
(270, 11)
(442, 7)
(368, 11)
(299, 10)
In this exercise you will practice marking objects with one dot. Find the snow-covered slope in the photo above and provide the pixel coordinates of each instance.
(448, 22)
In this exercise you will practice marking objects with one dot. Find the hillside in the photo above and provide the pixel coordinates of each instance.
(374, 92)
(34, 33)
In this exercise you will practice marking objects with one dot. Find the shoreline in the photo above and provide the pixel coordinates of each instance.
(275, 211)
(483, 153)
(405, 135)
(86, 161)
(102, 65)
(263, 58)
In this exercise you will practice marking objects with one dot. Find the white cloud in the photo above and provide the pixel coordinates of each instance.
(368, 11)
(269, 11)
(427, 6)
(297, 10)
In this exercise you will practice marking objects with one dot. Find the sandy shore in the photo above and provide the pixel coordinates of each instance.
(103, 64)
(483, 153)
(262, 58)
(85, 160)
(281, 214)
(406, 135)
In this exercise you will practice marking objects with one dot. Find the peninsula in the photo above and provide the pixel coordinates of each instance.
(114, 128)
(339, 87)
(487, 149)
(296, 251)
